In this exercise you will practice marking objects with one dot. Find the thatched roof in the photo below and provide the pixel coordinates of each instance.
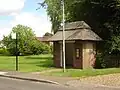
(76, 31)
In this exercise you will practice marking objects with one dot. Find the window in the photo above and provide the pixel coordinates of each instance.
(77, 53)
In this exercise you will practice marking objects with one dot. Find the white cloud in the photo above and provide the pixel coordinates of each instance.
(39, 24)
(4, 31)
(8, 7)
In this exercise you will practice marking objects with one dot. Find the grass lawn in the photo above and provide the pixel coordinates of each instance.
(39, 63)
(84, 73)
(27, 63)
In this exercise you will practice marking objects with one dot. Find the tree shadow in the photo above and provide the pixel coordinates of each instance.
(38, 57)
(46, 62)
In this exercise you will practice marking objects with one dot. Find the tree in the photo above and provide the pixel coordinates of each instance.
(25, 35)
(102, 15)
(27, 42)
(99, 14)
(47, 34)
(54, 12)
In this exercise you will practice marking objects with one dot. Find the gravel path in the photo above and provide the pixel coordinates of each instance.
(111, 80)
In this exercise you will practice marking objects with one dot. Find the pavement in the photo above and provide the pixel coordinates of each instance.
(66, 81)
(17, 84)
(36, 76)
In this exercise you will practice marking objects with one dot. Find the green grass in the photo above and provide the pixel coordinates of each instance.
(84, 73)
(39, 63)
(27, 63)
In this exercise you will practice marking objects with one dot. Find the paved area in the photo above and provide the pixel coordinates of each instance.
(38, 76)
(12, 84)
(3, 73)
(75, 83)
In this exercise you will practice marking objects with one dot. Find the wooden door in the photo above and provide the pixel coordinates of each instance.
(78, 56)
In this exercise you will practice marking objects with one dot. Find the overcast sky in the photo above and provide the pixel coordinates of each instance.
(13, 12)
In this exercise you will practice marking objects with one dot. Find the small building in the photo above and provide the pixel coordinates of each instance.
(44, 39)
(80, 42)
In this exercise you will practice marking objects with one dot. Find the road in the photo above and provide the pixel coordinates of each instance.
(14, 84)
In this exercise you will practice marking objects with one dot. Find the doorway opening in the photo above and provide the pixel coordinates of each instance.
(69, 53)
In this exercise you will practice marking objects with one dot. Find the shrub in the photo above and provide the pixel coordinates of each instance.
(45, 49)
(37, 47)
(4, 51)
(100, 61)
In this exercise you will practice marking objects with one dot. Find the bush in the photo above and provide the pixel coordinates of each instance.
(44, 49)
(100, 61)
(29, 47)
(37, 47)
(4, 51)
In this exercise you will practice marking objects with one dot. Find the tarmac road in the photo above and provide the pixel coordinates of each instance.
(17, 84)
(14, 84)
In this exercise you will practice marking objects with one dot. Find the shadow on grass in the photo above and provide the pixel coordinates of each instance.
(46, 62)
(39, 57)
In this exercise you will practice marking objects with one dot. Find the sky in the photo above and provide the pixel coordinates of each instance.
(13, 12)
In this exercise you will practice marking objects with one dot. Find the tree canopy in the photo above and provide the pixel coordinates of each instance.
(47, 34)
(27, 42)
(102, 15)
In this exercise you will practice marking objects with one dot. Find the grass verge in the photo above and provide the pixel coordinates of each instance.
(27, 63)
(84, 73)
